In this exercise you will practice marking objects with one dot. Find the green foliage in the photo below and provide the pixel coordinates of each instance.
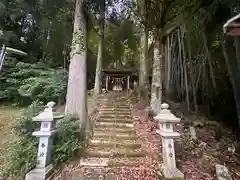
(121, 43)
(22, 152)
(25, 125)
(22, 83)
(68, 140)
(22, 156)
(50, 85)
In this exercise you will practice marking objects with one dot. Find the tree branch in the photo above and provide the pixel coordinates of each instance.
(165, 10)
(175, 26)
(169, 31)
(188, 5)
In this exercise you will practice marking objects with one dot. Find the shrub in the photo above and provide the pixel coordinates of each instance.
(22, 152)
(21, 156)
(25, 125)
(22, 83)
(67, 141)
(48, 86)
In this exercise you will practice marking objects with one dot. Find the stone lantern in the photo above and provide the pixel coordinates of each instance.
(167, 120)
(44, 167)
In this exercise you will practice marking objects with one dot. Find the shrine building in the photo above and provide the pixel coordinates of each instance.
(119, 79)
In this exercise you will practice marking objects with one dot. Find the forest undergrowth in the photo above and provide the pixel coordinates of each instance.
(215, 144)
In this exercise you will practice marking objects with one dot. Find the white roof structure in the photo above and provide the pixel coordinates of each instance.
(15, 51)
(231, 27)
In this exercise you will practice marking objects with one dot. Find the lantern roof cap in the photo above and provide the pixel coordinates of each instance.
(166, 116)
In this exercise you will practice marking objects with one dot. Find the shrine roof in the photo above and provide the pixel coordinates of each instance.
(232, 26)
(119, 71)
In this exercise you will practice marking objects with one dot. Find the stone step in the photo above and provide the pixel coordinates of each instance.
(106, 112)
(123, 161)
(113, 152)
(112, 112)
(116, 103)
(122, 136)
(116, 118)
(114, 124)
(95, 162)
(114, 108)
(93, 173)
(107, 119)
(116, 143)
(114, 130)
(116, 115)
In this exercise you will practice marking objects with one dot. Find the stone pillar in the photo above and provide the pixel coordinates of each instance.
(166, 123)
(2, 56)
(128, 83)
(135, 85)
(106, 83)
(44, 168)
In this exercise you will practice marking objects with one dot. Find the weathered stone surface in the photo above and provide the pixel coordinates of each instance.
(109, 177)
(122, 136)
(117, 143)
(115, 130)
(44, 169)
(40, 173)
(120, 120)
(173, 173)
(94, 162)
(86, 177)
(114, 152)
(166, 130)
(222, 172)
(192, 132)
(114, 137)
(92, 177)
(124, 112)
(114, 124)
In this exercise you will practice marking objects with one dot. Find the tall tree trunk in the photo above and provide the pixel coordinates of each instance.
(98, 76)
(143, 75)
(180, 64)
(155, 74)
(192, 76)
(157, 79)
(205, 40)
(168, 64)
(143, 72)
(185, 70)
(76, 100)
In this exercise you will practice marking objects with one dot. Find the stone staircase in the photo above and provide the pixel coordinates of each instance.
(114, 142)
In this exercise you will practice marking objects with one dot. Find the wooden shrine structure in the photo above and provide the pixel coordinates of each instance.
(119, 79)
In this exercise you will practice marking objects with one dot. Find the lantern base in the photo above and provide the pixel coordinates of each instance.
(40, 173)
(172, 173)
